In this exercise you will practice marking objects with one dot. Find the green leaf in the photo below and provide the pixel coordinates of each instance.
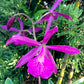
(8, 81)
(39, 13)
(80, 81)
(50, 82)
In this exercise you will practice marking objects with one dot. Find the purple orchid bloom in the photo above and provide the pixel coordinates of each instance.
(43, 64)
(37, 29)
(51, 14)
(10, 22)
(21, 32)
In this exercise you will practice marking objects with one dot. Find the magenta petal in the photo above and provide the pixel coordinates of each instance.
(4, 27)
(64, 15)
(50, 57)
(24, 59)
(48, 34)
(57, 2)
(43, 18)
(42, 69)
(41, 51)
(64, 48)
(49, 23)
(10, 22)
(14, 29)
(20, 23)
(34, 67)
(55, 16)
(11, 29)
(37, 29)
(24, 40)
(11, 40)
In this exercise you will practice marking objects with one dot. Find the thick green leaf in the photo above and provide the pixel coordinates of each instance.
(80, 81)
(50, 82)
(8, 81)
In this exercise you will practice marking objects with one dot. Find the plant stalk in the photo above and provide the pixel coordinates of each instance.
(39, 80)
(31, 21)
(70, 75)
(63, 69)
(34, 32)
(24, 15)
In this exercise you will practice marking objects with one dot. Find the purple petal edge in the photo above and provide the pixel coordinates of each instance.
(24, 59)
(49, 23)
(50, 57)
(10, 22)
(37, 29)
(64, 15)
(4, 27)
(57, 2)
(48, 34)
(25, 40)
(20, 23)
(43, 18)
(64, 48)
(11, 29)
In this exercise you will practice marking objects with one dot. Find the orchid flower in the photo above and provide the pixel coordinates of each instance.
(42, 64)
(10, 22)
(51, 14)
(21, 32)
(21, 27)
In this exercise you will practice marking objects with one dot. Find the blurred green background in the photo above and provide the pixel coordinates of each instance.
(70, 33)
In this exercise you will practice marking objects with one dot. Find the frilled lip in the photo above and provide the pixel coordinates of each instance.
(42, 65)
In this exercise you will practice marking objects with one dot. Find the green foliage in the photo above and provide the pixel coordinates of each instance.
(8, 81)
(70, 33)
(79, 81)
(50, 82)
(39, 13)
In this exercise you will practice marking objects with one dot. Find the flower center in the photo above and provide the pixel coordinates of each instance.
(52, 13)
(43, 45)
(41, 58)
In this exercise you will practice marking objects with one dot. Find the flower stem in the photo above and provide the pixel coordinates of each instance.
(34, 32)
(31, 21)
(70, 75)
(24, 15)
(39, 80)
(28, 31)
(63, 69)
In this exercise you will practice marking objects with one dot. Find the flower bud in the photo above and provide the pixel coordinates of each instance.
(10, 22)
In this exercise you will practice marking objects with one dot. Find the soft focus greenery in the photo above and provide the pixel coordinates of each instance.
(70, 33)
(8, 81)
